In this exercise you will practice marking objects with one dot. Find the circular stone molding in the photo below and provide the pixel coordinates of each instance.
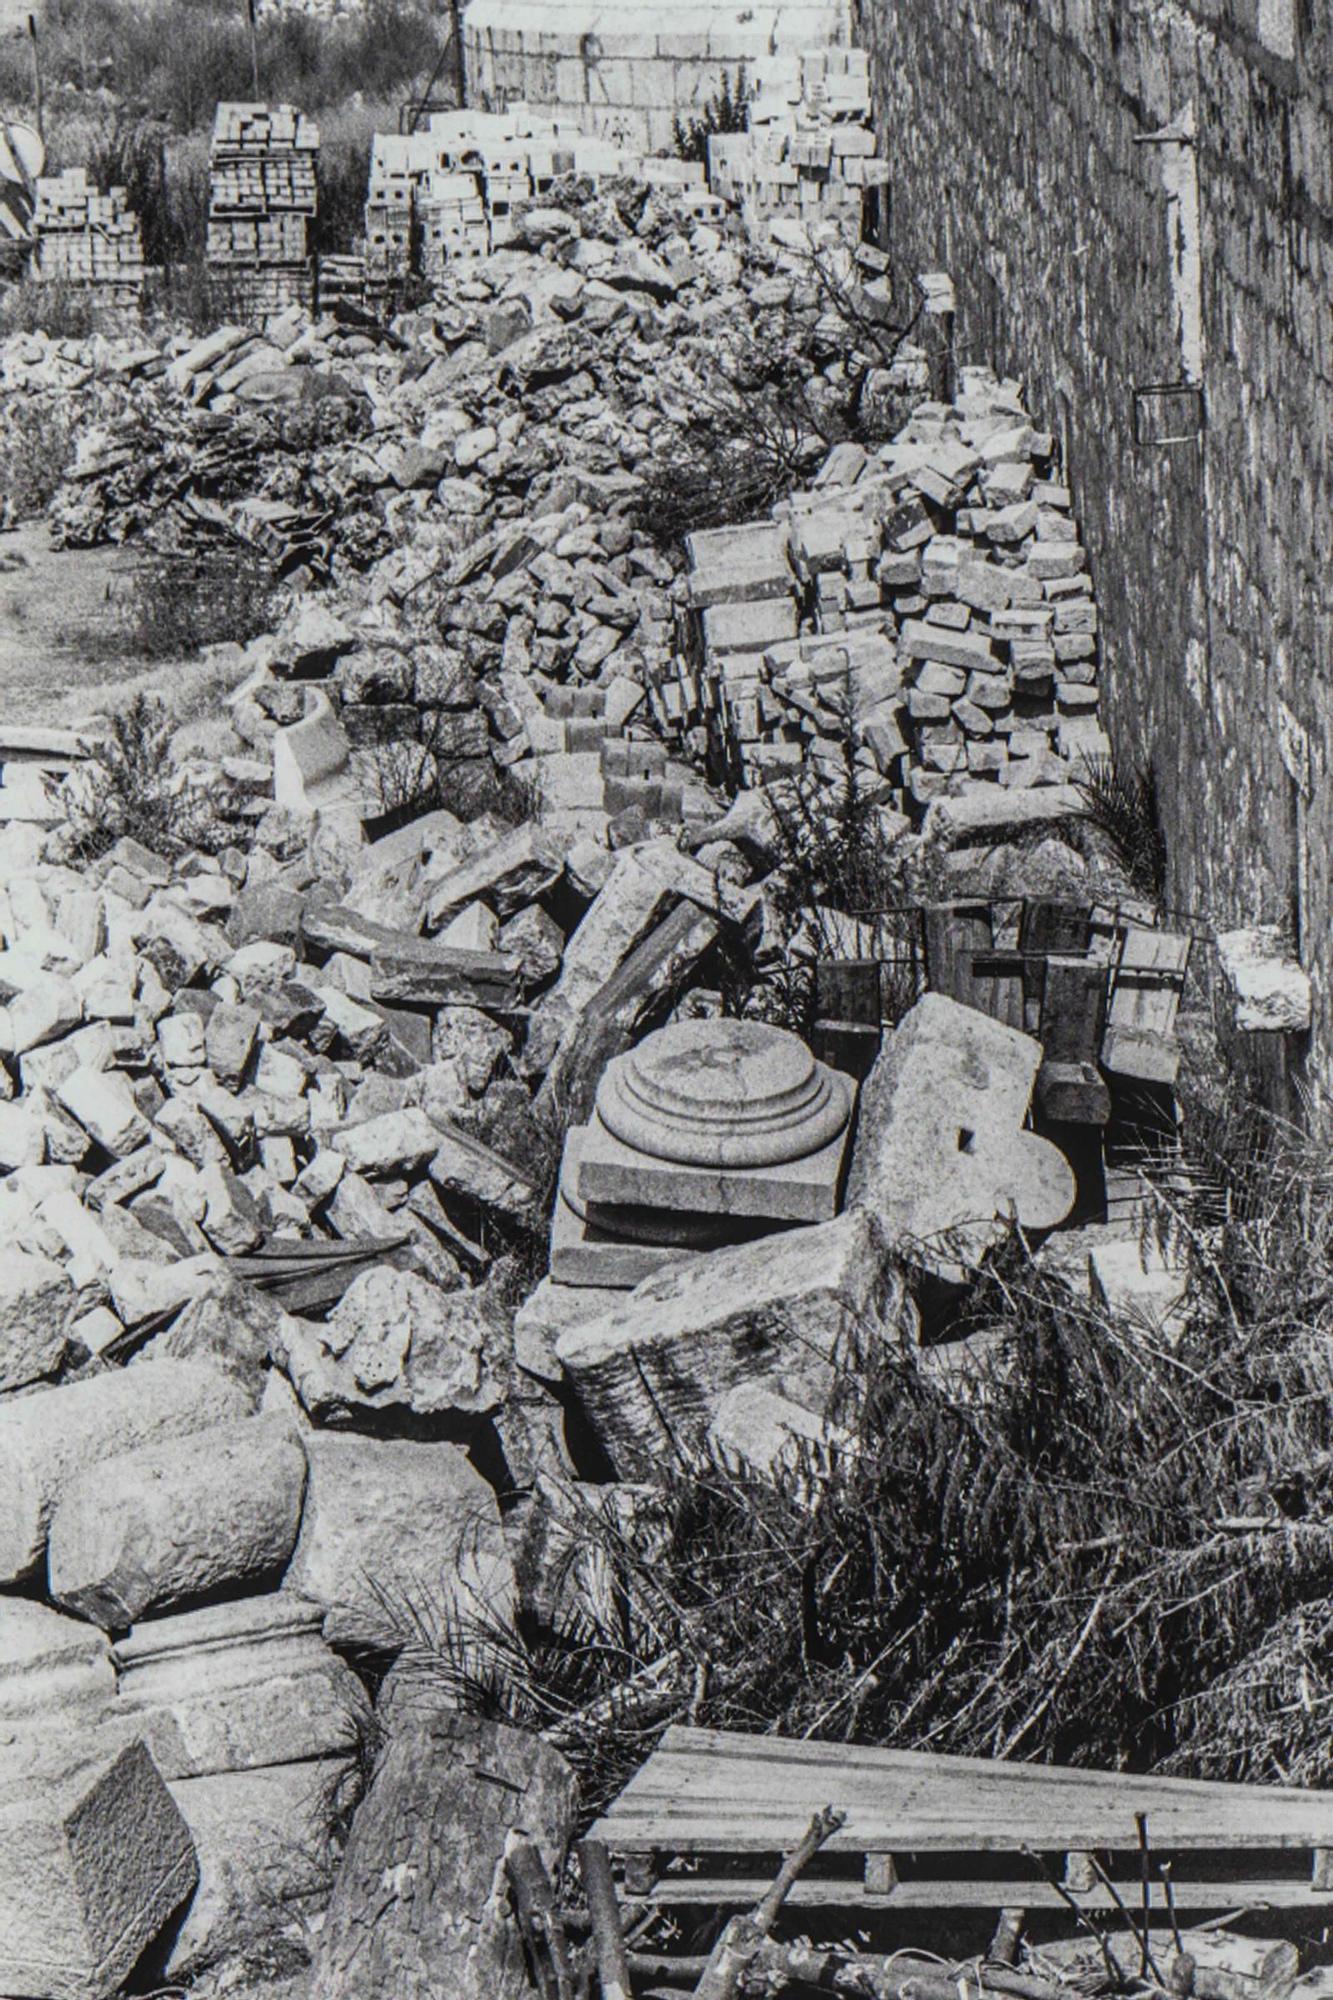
(723, 1094)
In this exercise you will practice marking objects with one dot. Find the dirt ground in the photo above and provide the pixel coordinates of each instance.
(61, 657)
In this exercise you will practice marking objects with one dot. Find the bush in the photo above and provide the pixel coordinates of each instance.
(47, 305)
(1122, 803)
(725, 111)
(36, 443)
(174, 606)
(132, 786)
(178, 58)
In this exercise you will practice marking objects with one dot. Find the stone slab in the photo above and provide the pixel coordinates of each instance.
(392, 1525)
(611, 1173)
(94, 1859)
(1270, 990)
(942, 1158)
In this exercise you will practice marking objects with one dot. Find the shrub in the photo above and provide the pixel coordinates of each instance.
(174, 606)
(132, 786)
(36, 442)
(725, 111)
(1122, 803)
(47, 305)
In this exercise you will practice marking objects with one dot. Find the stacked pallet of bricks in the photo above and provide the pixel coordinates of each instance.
(932, 598)
(262, 201)
(453, 189)
(808, 153)
(88, 239)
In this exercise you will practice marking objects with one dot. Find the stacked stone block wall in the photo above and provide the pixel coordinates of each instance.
(1018, 132)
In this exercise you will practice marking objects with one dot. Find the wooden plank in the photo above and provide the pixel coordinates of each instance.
(1070, 1089)
(955, 933)
(1149, 978)
(742, 1891)
(731, 1793)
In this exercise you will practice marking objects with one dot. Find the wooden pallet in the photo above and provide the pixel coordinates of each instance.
(709, 1813)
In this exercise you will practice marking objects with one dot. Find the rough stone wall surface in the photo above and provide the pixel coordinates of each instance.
(1015, 131)
(627, 72)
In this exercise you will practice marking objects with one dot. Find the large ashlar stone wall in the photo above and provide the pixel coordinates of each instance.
(1091, 258)
(627, 72)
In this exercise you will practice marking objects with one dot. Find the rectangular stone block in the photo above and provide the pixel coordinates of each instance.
(94, 1859)
(653, 1368)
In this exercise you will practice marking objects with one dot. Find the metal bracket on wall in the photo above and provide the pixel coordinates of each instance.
(1168, 413)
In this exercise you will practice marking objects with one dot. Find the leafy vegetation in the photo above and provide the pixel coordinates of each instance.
(132, 785)
(142, 53)
(174, 606)
(725, 111)
(1082, 1541)
(36, 442)
(1122, 803)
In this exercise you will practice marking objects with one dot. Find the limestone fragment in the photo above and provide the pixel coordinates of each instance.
(157, 1527)
(94, 1858)
(48, 1438)
(942, 1159)
(36, 1306)
(389, 1522)
(787, 1311)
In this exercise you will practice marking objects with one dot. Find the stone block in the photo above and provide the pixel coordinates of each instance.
(56, 1673)
(787, 1311)
(48, 1438)
(264, 1842)
(942, 1159)
(391, 1523)
(158, 1527)
(94, 1859)
(971, 650)
(1270, 990)
(507, 873)
(36, 1304)
(765, 1433)
(238, 1687)
(104, 1106)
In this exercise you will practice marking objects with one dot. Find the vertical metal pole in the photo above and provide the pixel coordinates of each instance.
(36, 75)
(254, 47)
(460, 58)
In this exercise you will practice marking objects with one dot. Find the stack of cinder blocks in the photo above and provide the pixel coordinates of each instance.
(809, 153)
(88, 239)
(262, 200)
(454, 188)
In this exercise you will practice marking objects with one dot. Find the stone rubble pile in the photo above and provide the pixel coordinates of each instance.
(454, 188)
(378, 1175)
(931, 596)
(567, 362)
